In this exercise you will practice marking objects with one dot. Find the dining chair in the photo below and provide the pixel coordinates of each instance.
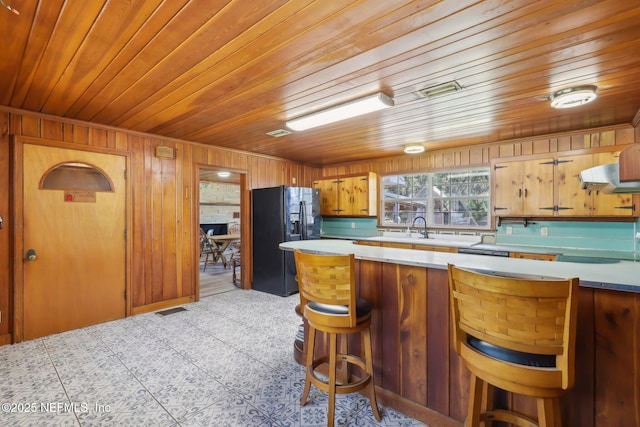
(208, 249)
(235, 257)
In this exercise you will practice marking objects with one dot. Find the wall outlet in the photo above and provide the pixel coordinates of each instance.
(544, 231)
(638, 235)
(509, 230)
(353, 225)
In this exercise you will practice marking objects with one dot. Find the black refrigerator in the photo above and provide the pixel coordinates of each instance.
(281, 214)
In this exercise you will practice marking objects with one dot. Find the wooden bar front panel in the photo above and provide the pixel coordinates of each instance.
(417, 368)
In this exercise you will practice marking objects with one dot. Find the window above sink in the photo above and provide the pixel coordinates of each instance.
(448, 199)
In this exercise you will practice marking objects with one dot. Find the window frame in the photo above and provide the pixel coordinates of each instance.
(450, 181)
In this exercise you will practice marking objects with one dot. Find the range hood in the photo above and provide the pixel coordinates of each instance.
(606, 178)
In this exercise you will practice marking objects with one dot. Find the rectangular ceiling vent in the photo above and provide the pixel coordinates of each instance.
(440, 90)
(278, 133)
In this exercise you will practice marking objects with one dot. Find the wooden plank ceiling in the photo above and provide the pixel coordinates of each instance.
(227, 72)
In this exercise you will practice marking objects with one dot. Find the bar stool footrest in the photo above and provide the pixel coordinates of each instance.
(508, 417)
(350, 386)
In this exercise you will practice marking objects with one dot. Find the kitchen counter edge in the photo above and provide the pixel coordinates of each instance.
(622, 276)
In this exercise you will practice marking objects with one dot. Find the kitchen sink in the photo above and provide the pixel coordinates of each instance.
(433, 239)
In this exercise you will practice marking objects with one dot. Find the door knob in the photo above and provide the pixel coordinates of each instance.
(31, 255)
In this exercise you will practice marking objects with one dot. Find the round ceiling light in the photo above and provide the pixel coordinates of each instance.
(413, 148)
(224, 174)
(573, 96)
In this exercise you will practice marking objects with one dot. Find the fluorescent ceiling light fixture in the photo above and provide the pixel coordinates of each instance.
(573, 96)
(348, 110)
(224, 174)
(413, 148)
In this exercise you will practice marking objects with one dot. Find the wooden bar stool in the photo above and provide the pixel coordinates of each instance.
(518, 335)
(328, 302)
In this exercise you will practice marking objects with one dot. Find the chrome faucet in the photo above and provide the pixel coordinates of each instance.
(425, 233)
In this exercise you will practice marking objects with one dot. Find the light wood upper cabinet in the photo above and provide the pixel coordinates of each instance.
(328, 195)
(552, 187)
(348, 196)
(610, 204)
(523, 188)
(572, 200)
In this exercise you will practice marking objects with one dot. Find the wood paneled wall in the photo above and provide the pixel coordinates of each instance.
(164, 212)
(484, 154)
(164, 203)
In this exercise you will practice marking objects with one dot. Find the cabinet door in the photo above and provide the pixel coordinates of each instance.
(346, 196)
(610, 204)
(571, 199)
(537, 187)
(507, 188)
(364, 195)
(328, 196)
(523, 188)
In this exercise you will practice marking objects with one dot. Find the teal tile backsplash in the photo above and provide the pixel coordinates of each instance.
(349, 228)
(599, 236)
(618, 238)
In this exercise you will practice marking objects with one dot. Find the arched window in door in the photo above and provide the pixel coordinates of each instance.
(76, 176)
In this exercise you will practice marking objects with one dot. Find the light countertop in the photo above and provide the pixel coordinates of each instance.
(624, 275)
(451, 241)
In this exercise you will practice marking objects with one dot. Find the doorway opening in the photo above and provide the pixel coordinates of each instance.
(220, 230)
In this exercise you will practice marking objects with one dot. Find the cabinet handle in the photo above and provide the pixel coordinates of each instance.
(525, 193)
(519, 193)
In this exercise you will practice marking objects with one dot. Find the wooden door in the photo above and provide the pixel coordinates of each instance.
(571, 199)
(78, 235)
(537, 187)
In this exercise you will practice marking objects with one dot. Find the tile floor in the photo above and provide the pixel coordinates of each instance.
(225, 361)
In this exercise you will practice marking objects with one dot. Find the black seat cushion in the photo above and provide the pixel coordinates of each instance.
(362, 308)
(512, 356)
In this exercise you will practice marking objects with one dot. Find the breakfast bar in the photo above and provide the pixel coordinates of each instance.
(418, 372)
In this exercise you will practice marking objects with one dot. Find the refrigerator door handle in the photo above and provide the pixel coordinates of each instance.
(303, 221)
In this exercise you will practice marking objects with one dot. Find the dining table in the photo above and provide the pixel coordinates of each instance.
(222, 242)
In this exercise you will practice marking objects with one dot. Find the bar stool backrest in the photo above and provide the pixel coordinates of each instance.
(328, 283)
(536, 316)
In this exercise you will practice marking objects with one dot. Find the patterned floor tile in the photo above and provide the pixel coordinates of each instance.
(233, 368)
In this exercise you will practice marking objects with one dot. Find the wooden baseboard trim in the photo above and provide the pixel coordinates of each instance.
(6, 339)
